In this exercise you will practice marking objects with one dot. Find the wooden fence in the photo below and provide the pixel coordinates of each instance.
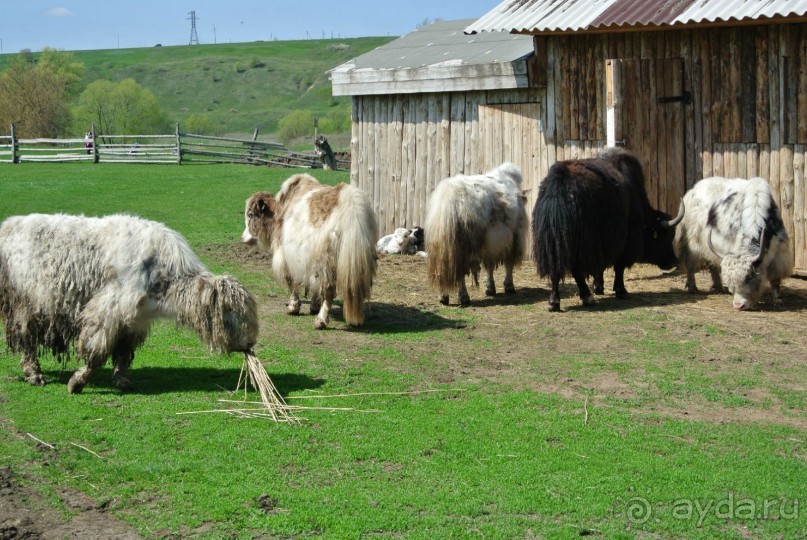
(176, 148)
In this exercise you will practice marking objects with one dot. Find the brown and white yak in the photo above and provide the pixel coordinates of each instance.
(733, 226)
(322, 239)
(98, 282)
(475, 221)
(592, 214)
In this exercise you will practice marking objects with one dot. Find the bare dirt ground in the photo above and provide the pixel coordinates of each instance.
(615, 354)
(25, 515)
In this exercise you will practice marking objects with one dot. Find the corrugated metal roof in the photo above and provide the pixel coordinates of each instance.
(536, 16)
(443, 42)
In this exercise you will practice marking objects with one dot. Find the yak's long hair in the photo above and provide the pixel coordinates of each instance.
(474, 220)
(98, 282)
(321, 237)
(590, 212)
(741, 220)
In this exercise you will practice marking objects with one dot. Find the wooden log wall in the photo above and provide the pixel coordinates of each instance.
(748, 116)
(402, 145)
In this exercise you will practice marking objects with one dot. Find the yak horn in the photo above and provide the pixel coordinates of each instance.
(712, 246)
(764, 238)
(676, 220)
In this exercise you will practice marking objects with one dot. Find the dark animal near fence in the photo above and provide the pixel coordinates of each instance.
(592, 214)
(325, 153)
(322, 238)
(98, 283)
(733, 226)
(475, 221)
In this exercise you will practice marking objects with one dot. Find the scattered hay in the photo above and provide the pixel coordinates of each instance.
(254, 373)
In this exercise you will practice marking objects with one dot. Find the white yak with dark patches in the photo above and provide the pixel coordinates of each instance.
(475, 221)
(98, 282)
(322, 239)
(733, 226)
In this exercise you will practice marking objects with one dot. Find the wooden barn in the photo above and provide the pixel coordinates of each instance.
(695, 87)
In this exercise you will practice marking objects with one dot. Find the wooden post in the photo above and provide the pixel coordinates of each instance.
(14, 157)
(179, 152)
(94, 144)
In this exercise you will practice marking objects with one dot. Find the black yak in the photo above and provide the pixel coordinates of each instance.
(592, 214)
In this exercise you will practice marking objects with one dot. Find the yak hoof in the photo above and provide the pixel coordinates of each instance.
(490, 292)
(465, 300)
(598, 290)
(692, 289)
(293, 309)
(622, 295)
(444, 299)
(510, 290)
(320, 324)
(75, 387)
(36, 380)
(124, 384)
(715, 290)
(589, 301)
(554, 306)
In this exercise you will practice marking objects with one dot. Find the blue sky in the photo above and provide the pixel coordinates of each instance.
(90, 24)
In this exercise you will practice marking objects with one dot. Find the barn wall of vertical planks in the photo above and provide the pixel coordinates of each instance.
(691, 102)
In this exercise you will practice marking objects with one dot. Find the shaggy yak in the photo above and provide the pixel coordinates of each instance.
(734, 227)
(322, 238)
(592, 214)
(475, 221)
(97, 283)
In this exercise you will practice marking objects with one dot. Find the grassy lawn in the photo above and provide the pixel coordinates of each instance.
(637, 422)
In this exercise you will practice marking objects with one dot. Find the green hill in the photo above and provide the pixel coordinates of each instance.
(239, 86)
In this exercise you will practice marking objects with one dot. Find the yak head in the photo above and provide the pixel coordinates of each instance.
(658, 239)
(742, 272)
(259, 219)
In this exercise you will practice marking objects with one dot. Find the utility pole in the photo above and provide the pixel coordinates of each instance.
(194, 37)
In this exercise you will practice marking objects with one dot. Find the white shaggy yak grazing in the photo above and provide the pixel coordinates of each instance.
(733, 226)
(322, 239)
(475, 221)
(97, 283)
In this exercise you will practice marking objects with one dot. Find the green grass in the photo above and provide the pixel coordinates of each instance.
(239, 86)
(483, 460)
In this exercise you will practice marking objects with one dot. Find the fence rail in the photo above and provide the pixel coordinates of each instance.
(175, 148)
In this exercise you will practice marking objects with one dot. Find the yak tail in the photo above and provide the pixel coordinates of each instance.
(554, 226)
(356, 255)
(448, 239)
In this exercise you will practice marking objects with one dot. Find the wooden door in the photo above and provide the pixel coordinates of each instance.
(646, 100)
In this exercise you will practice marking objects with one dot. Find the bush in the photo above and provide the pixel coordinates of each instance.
(297, 123)
(200, 124)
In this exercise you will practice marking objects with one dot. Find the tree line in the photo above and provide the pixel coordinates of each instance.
(44, 96)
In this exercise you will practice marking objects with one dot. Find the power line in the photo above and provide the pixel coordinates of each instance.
(194, 37)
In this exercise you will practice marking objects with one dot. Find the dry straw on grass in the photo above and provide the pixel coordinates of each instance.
(274, 406)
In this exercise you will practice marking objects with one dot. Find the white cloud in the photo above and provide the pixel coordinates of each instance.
(59, 12)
